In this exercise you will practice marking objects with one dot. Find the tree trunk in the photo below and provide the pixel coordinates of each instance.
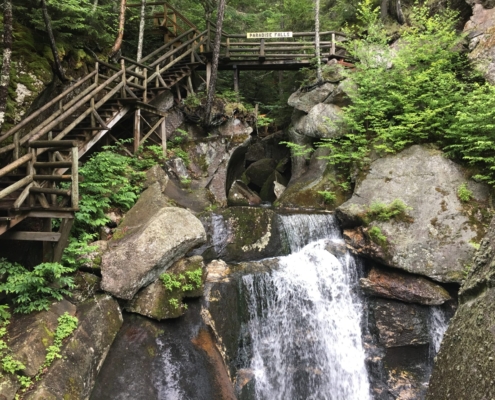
(7, 56)
(57, 66)
(95, 6)
(319, 75)
(120, 36)
(400, 15)
(216, 55)
(141, 31)
(384, 9)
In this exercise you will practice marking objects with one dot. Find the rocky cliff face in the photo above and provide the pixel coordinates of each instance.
(465, 365)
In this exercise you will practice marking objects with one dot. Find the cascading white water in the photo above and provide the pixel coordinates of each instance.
(167, 385)
(438, 326)
(305, 321)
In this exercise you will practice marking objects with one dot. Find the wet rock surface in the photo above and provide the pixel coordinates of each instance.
(465, 365)
(403, 287)
(243, 234)
(434, 238)
(240, 195)
(152, 360)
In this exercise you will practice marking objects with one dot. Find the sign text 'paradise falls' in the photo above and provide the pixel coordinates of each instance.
(268, 35)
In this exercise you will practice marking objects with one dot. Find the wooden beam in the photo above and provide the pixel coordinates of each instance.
(137, 130)
(32, 236)
(163, 130)
(65, 227)
(51, 214)
(16, 186)
(75, 178)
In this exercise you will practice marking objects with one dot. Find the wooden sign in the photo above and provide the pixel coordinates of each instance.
(268, 35)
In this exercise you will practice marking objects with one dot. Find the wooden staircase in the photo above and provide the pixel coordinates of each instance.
(36, 155)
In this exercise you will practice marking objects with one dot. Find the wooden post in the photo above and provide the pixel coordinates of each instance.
(262, 50)
(333, 45)
(177, 87)
(190, 85)
(47, 246)
(145, 84)
(236, 78)
(122, 91)
(75, 179)
(227, 51)
(137, 129)
(163, 130)
(16, 144)
(157, 82)
(64, 231)
(30, 172)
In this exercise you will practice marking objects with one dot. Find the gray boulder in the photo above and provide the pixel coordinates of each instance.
(72, 377)
(157, 302)
(322, 122)
(305, 100)
(438, 237)
(243, 234)
(465, 364)
(145, 251)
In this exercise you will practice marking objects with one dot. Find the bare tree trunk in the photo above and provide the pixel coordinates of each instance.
(141, 31)
(384, 9)
(120, 36)
(400, 14)
(57, 66)
(319, 75)
(216, 55)
(7, 56)
(95, 6)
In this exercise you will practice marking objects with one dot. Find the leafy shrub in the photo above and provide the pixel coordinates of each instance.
(35, 290)
(464, 193)
(379, 211)
(377, 236)
(328, 197)
(189, 281)
(66, 325)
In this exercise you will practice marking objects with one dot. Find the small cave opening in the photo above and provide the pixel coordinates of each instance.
(259, 171)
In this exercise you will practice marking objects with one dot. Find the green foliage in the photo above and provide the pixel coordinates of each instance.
(174, 303)
(464, 193)
(403, 96)
(299, 150)
(35, 290)
(4, 313)
(189, 281)
(10, 365)
(377, 236)
(66, 325)
(379, 211)
(328, 197)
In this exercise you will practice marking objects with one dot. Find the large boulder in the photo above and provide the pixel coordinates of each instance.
(403, 287)
(305, 100)
(157, 302)
(481, 35)
(259, 171)
(438, 236)
(145, 250)
(322, 121)
(465, 365)
(31, 334)
(243, 234)
(73, 375)
(241, 195)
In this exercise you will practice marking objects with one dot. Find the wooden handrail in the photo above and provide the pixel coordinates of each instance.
(23, 123)
(176, 50)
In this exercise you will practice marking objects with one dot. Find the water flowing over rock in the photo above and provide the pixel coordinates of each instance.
(465, 365)
(73, 375)
(434, 240)
(403, 287)
(147, 250)
(305, 328)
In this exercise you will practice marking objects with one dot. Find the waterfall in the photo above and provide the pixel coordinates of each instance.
(302, 229)
(305, 320)
(438, 325)
(167, 384)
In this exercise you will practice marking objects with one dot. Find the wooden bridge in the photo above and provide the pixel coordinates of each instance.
(34, 182)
